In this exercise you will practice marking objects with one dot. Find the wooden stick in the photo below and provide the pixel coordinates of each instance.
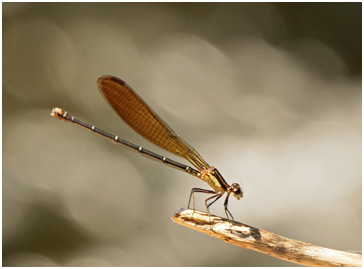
(265, 242)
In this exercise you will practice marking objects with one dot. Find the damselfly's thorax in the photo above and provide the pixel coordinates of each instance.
(216, 181)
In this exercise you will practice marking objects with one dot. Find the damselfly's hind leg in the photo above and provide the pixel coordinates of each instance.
(192, 196)
(216, 196)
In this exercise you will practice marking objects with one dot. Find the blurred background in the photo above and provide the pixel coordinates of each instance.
(270, 94)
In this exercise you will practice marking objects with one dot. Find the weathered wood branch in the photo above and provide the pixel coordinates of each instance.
(265, 242)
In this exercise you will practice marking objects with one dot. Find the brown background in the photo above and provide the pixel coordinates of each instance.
(268, 93)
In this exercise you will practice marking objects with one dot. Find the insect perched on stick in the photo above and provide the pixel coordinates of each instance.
(139, 116)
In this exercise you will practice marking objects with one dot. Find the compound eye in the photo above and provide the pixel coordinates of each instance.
(236, 190)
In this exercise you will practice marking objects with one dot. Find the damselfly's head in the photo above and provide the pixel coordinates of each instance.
(236, 190)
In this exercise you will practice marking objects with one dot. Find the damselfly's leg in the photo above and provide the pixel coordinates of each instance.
(192, 195)
(217, 197)
(227, 211)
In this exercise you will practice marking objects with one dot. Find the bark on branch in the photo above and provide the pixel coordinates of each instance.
(265, 242)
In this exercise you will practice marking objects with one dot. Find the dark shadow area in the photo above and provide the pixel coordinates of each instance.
(47, 233)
